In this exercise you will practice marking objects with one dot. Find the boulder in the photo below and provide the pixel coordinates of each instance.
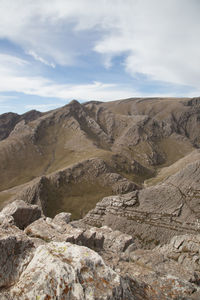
(22, 213)
(114, 240)
(16, 252)
(63, 217)
(93, 238)
(47, 230)
(66, 271)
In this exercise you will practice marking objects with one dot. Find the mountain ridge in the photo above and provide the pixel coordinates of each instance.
(136, 138)
(104, 195)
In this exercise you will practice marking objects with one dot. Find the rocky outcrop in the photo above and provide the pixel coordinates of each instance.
(50, 260)
(16, 253)
(155, 214)
(173, 266)
(185, 250)
(168, 272)
(99, 239)
(66, 271)
(62, 217)
(56, 270)
(20, 213)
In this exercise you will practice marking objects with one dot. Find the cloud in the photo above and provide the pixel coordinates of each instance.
(50, 28)
(160, 40)
(9, 61)
(43, 87)
(40, 59)
(43, 107)
(15, 77)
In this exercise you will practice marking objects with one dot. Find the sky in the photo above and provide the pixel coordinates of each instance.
(53, 51)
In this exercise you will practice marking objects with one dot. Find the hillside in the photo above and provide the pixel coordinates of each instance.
(107, 195)
(135, 141)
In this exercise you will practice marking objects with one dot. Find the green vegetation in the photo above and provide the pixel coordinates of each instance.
(174, 150)
(55, 148)
(77, 198)
(3, 198)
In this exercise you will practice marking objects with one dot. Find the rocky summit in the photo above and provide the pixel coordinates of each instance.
(101, 201)
(58, 259)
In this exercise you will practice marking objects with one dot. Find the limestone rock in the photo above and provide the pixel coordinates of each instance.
(63, 217)
(95, 238)
(97, 215)
(6, 221)
(154, 214)
(22, 213)
(185, 250)
(166, 276)
(16, 252)
(173, 266)
(34, 266)
(66, 271)
(106, 239)
(115, 241)
(49, 230)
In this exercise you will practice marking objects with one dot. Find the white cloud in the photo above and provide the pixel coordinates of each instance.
(7, 61)
(40, 59)
(14, 78)
(43, 87)
(43, 107)
(160, 39)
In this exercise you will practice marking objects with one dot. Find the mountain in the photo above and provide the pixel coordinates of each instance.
(127, 173)
(76, 155)
(9, 120)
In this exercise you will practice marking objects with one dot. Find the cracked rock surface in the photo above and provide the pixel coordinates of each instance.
(58, 259)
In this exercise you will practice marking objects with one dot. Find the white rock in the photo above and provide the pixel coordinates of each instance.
(67, 271)
(63, 217)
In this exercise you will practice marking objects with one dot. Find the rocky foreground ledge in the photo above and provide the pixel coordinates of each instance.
(44, 258)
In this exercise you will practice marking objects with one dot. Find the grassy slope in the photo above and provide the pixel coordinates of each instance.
(166, 172)
(21, 161)
(75, 198)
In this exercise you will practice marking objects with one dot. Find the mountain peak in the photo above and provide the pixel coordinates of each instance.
(74, 102)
